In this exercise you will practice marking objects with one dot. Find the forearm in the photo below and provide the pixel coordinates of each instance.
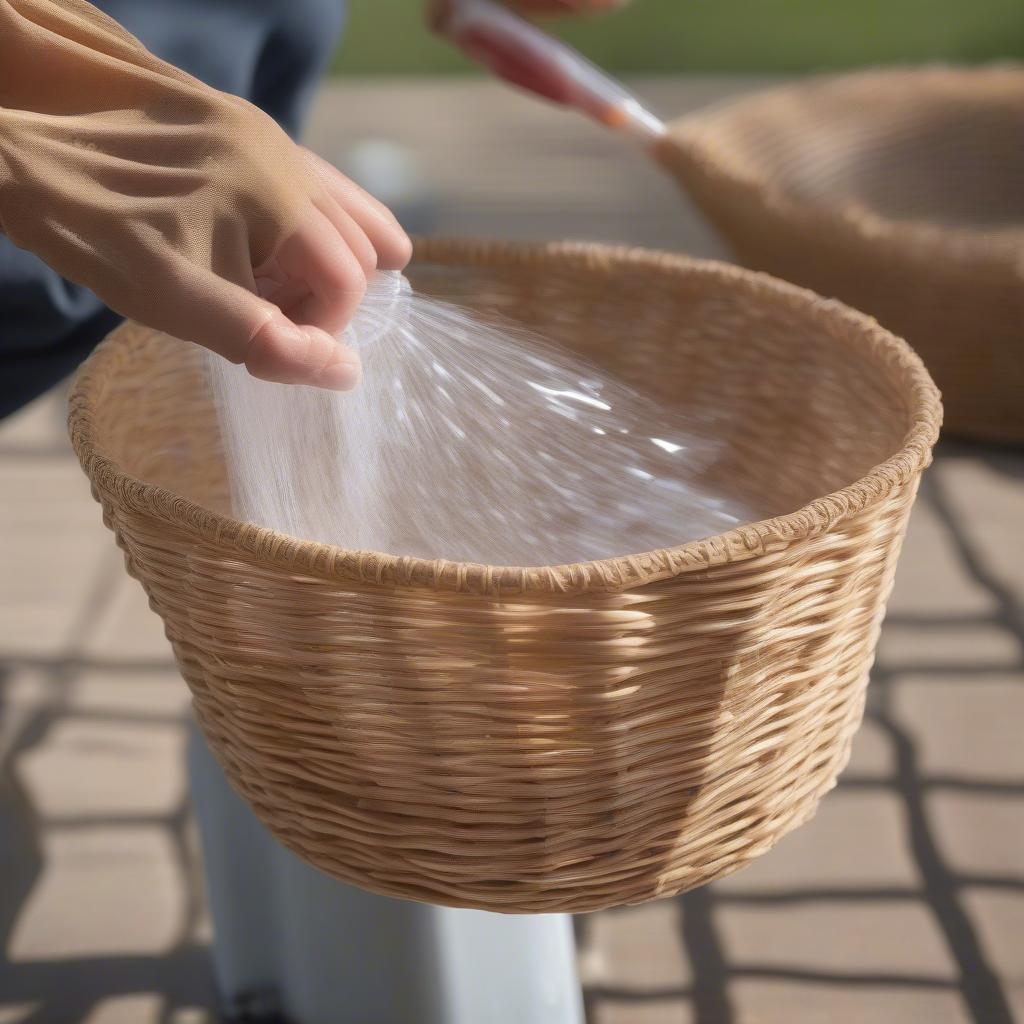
(64, 57)
(95, 129)
(70, 78)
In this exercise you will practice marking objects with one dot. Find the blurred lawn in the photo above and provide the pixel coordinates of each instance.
(660, 36)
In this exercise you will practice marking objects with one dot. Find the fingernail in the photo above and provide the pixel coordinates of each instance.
(343, 374)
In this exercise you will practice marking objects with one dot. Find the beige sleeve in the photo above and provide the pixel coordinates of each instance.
(131, 177)
(66, 57)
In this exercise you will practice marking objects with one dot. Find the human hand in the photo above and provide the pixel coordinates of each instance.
(565, 6)
(438, 8)
(182, 207)
(317, 277)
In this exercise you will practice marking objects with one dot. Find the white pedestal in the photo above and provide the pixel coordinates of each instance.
(328, 953)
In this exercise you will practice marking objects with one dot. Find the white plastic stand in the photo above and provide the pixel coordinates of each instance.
(320, 952)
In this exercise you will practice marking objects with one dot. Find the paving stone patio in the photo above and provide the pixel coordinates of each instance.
(901, 902)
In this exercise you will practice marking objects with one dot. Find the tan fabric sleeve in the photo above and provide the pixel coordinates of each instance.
(130, 177)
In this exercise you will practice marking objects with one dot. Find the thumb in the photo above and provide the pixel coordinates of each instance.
(244, 328)
(282, 351)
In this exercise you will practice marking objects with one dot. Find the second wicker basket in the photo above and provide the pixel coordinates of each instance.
(900, 192)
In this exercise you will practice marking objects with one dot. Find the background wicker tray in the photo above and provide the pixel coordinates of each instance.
(900, 192)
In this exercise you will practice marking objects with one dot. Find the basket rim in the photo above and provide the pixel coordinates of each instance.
(891, 355)
(686, 144)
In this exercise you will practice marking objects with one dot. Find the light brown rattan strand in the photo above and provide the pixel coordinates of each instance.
(900, 192)
(560, 738)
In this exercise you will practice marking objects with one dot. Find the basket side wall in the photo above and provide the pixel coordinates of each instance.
(966, 323)
(900, 192)
(530, 756)
(544, 741)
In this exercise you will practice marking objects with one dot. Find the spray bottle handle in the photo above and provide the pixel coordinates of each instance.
(521, 53)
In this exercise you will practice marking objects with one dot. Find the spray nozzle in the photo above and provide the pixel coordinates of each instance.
(519, 52)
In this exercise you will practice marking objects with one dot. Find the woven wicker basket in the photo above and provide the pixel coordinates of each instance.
(899, 192)
(557, 738)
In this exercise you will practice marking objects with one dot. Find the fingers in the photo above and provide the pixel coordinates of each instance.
(320, 258)
(280, 351)
(304, 294)
(438, 10)
(355, 237)
(318, 275)
(378, 223)
(566, 6)
(245, 328)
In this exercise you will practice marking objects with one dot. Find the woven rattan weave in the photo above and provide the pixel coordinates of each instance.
(552, 738)
(901, 193)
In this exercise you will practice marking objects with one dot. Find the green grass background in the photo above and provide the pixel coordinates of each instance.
(666, 36)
